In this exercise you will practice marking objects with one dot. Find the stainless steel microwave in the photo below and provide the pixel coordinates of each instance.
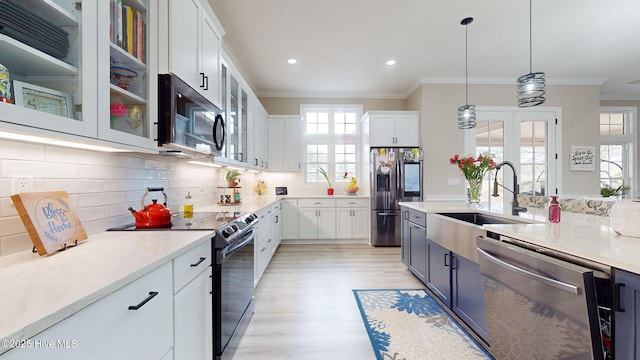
(187, 121)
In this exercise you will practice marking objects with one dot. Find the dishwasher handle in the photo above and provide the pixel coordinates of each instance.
(531, 275)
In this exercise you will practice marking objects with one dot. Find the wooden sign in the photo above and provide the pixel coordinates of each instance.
(50, 220)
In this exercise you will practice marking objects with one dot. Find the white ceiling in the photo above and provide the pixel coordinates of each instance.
(342, 45)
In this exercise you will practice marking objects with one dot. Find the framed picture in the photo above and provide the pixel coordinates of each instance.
(43, 99)
(582, 158)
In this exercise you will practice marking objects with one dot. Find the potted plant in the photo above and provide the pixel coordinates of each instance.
(232, 177)
(607, 191)
(326, 176)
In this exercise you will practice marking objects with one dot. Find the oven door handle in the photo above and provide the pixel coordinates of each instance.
(225, 253)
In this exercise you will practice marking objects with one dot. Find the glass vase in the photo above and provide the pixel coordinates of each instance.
(474, 191)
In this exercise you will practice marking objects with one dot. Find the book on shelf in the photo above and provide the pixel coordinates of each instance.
(128, 29)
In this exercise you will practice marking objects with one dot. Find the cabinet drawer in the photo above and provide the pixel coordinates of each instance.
(316, 203)
(188, 265)
(351, 203)
(418, 217)
(110, 328)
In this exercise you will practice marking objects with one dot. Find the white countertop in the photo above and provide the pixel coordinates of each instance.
(39, 291)
(585, 236)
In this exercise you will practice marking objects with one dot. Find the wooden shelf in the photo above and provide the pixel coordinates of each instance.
(230, 204)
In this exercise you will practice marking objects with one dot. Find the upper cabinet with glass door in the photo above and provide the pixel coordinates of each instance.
(41, 46)
(127, 68)
(235, 110)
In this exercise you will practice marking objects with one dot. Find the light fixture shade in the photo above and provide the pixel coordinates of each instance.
(467, 117)
(531, 89)
(466, 113)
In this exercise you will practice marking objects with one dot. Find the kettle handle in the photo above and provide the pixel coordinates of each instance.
(150, 189)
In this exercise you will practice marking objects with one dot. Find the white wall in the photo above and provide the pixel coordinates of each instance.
(441, 137)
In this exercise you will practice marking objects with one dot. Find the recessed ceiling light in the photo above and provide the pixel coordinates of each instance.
(390, 62)
(292, 61)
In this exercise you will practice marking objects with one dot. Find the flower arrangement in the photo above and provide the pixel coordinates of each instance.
(474, 170)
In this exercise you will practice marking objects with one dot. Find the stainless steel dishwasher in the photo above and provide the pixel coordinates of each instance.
(541, 304)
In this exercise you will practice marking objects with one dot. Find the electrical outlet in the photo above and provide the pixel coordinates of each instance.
(21, 183)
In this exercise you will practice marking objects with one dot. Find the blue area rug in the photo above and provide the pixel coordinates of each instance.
(410, 325)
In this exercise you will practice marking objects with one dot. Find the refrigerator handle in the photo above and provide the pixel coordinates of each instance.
(399, 177)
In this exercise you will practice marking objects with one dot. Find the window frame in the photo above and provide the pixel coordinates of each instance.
(332, 139)
(628, 141)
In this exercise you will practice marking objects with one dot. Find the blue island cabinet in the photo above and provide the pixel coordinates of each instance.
(627, 318)
(467, 300)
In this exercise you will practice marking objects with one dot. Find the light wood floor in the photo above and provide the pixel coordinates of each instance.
(304, 304)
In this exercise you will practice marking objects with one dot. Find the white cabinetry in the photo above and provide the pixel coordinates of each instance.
(235, 106)
(194, 46)
(352, 218)
(392, 128)
(258, 136)
(267, 238)
(135, 322)
(79, 84)
(316, 218)
(289, 219)
(193, 304)
(285, 146)
(263, 242)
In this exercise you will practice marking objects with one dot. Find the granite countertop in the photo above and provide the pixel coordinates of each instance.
(39, 291)
(585, 236)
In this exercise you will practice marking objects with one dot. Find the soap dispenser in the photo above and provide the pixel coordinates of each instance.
(554, 210)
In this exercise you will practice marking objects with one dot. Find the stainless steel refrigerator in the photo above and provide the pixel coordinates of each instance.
(396, 175)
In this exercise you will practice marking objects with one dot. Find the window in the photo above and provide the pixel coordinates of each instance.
(617, 144)
(331, 141)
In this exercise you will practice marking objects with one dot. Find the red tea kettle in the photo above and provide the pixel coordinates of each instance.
(153, 215)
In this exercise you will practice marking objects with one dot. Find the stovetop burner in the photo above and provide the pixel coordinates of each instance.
(227, 225)
(199, 221)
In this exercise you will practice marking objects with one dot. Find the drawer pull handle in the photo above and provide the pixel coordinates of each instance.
(152, 294)
(317, 203)
(199, 262)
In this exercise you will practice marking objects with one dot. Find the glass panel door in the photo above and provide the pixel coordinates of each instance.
(524, 138)
(233, 121)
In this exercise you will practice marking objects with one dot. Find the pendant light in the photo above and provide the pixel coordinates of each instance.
(531, 87)
(466, 113)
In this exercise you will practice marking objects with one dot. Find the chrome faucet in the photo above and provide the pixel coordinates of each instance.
(515, 206)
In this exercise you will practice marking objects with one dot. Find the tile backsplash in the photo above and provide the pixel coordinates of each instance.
(101, 186)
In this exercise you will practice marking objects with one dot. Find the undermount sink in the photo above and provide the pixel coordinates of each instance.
(481, 218)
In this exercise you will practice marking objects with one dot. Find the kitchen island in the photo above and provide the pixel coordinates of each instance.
(479, 286)
(581, 235)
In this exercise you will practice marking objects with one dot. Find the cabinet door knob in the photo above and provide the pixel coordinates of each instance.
(152, 294)
(202, 80)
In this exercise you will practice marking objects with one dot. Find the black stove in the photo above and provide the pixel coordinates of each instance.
(227, 225)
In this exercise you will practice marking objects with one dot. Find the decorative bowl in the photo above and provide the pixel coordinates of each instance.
(122, 76)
